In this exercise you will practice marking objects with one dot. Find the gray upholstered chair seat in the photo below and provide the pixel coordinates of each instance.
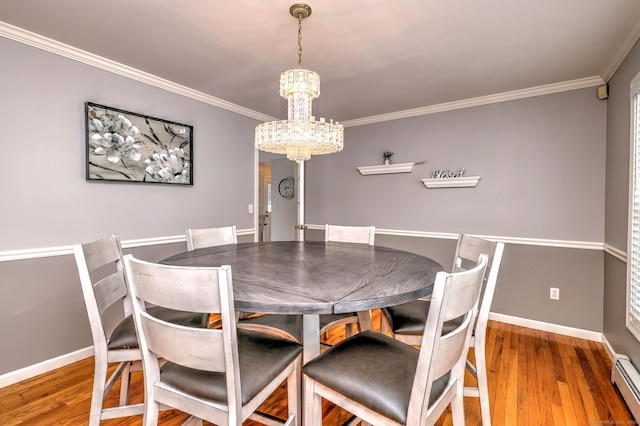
(381, 379)
(124, 335)
(262, 358)
(291, 324)
(409, 318)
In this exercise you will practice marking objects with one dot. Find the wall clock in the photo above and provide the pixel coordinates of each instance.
(285, 188)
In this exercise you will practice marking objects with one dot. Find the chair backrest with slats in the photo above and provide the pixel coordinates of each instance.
(467, 252)
(102, 281)
(200, 290)
(350, 234)
(210, 237)
(455, 294)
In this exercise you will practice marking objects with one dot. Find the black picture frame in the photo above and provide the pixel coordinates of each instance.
(124, 146)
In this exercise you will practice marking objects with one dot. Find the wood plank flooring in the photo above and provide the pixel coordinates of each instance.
(535, 378)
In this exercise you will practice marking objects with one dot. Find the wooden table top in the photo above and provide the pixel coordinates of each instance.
(314, 277)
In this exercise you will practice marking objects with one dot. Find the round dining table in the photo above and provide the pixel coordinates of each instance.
(316, 277)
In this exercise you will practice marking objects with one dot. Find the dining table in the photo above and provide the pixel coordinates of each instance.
(310, 278)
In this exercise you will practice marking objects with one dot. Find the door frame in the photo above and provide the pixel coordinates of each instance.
(300, 198)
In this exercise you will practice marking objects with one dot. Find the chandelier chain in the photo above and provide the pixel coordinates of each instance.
(300, 41)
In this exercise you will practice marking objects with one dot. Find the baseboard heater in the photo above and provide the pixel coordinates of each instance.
(627, 379)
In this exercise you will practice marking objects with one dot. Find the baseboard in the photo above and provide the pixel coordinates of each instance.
(44, 366)
(546, 326)
(609, 349)
(63, 360)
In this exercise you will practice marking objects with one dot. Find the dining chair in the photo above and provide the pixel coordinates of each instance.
(104, 289)
(350, 234)
(209, 237)
(219, 375)
(290, 326)
(383, 381)
(406, 322)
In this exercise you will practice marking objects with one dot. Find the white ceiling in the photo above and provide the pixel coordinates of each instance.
(374, 56)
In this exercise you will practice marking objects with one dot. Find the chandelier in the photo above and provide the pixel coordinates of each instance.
(300, 136)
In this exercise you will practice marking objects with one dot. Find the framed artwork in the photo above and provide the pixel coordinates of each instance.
(127, 147)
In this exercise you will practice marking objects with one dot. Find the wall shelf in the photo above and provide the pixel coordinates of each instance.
(386, 169)
(458, 182)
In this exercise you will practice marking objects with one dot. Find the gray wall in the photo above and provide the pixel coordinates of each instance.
(542, 167)
(46, 201)
(617, 204)
(51, 204)
(542, 162)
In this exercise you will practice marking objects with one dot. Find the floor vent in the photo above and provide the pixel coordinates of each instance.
(627, 379)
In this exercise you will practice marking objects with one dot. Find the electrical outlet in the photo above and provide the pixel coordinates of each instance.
(554, 293)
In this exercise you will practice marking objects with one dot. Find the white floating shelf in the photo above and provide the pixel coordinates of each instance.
(459, 182)
(384, 169)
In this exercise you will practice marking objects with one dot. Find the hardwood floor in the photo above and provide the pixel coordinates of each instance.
(535, 378)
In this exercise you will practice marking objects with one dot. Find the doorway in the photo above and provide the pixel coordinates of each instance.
(277, 212)
(264, 208)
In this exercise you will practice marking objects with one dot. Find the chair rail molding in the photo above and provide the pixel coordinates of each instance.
(582, 245)
(36, 253)
(615, 252)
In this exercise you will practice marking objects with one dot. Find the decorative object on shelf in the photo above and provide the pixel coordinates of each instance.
(386, 156)
(300, 136)
(447, 174)
(127, 147)
(388, 169)
(285, 188)
(449, 179)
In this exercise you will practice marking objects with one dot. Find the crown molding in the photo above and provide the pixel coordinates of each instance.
(623, 49)
(53, 46)
(482, 100)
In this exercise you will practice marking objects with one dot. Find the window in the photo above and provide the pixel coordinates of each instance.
(633, 251)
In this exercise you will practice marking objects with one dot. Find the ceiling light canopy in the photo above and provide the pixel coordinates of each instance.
(300, 136)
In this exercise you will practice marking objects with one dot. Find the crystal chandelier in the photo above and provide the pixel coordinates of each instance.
(300, 136)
